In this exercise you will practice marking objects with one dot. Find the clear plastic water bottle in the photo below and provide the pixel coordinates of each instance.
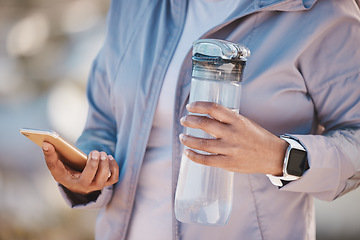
(203, 193)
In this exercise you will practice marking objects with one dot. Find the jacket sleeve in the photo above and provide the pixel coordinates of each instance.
(331, 69)
(334, 157)
(99, 132)
(94, 200)
(100, 128)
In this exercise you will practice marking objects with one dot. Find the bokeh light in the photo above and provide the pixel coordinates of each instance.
(67, 108)
(28, 35)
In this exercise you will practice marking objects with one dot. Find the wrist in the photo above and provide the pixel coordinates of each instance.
(80, 198)
(279, 155)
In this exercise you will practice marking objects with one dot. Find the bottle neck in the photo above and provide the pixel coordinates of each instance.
(218, 70)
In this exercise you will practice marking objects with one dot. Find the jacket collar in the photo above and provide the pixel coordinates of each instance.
(284, 5)
(279, 5)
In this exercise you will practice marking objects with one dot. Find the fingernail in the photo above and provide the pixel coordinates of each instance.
(94, 155)
(186, 152)
(182, 119)
(45, 146)
(188, 106)
(110, 157)
(181, 137)
(103, 157)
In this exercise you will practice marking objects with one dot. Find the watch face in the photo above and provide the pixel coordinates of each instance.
(297, 161)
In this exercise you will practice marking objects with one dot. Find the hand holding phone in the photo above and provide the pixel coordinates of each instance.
(79, 174)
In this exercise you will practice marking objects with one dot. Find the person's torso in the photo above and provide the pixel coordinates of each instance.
(138, 59)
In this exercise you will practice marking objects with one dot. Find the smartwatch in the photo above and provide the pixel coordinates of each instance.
(295, 162)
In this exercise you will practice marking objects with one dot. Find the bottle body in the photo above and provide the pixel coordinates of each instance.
(204, 194)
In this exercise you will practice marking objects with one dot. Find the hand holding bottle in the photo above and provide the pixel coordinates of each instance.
(240, 145)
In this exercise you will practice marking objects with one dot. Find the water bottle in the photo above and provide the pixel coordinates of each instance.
(204, 194)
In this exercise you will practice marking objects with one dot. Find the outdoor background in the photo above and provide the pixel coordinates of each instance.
(46, 50)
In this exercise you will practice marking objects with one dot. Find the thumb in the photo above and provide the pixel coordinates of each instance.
(55, 166)
(47, 147)
(49, 154)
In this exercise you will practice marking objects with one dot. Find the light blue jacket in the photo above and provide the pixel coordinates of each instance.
(302, 79)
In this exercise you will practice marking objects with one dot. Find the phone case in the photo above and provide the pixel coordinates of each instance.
(68, 153)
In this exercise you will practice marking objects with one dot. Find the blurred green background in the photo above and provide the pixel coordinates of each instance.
(46, 50)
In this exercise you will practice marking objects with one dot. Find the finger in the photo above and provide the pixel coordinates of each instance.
(91, 167)
(209, 125)
(208, 160)
(51, 159)
(215, 110)
(56, 167)
(114, 170)
(214, 146)
(103, 171)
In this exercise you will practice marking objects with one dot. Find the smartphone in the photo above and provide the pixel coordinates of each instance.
(68, 153)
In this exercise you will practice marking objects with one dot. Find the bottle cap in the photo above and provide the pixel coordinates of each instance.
(220, 49)
(216, 59)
